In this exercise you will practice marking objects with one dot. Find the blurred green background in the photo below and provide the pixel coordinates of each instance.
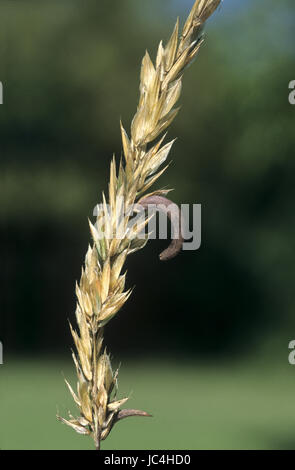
(204, 339)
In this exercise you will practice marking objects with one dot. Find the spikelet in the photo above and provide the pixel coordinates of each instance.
(101, 291)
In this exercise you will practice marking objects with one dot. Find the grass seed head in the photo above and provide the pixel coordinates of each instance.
(100, 293)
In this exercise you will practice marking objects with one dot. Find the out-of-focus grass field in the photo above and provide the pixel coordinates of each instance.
(194, 407)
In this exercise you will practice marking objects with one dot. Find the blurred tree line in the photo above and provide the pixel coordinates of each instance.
(70, 70)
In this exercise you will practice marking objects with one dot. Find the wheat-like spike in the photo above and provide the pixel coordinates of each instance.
(100, 293)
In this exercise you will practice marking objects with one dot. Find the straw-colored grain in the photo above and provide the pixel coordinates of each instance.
(100, 292)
